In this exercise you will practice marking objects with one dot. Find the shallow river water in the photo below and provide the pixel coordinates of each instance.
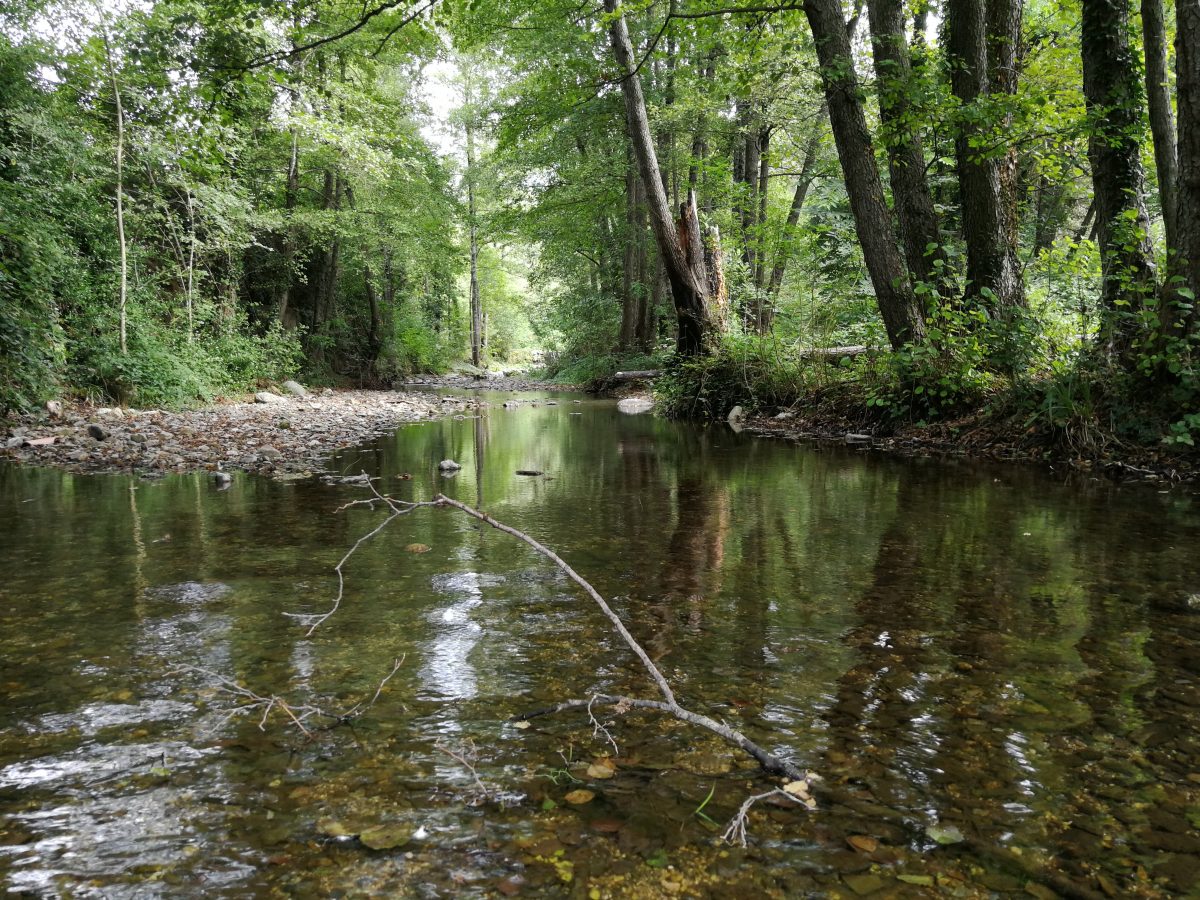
(995, 674)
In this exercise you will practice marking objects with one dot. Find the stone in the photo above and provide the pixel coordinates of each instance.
(267, 397)
(13, 442)
(97, 432)
(784, 416)
(53, 408)
(736, 415)
(852, 438)
(270, 453)
(295, 388)
(635, 405)
(448, 465)
(111, 412)
(222, 479)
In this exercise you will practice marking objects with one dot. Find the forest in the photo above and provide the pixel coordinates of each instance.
(985, 207)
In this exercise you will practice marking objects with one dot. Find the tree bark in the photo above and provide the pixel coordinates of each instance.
(1162, 119)
(1112, 91)
(697, 323)
(919, 228)
(1186, 264)
(993, 273)
(893, 292)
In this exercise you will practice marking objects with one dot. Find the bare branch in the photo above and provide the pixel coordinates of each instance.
(735, 831)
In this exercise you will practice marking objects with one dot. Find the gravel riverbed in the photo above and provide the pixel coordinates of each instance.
(283, 436)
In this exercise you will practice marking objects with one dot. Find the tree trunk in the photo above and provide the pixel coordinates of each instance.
(123, 290)
(760, 218)
(919, 228)
(1112, 91)
(473, 236)
(630, 288)
(1162, 119)
(697, 324)
(287, 310)
(993, 274)
(784, 251)
(893, 293)
(1186, 263)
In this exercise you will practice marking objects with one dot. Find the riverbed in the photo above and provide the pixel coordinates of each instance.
(993, 672)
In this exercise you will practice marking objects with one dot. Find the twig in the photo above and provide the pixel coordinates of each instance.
(735, 831)
(298, 713)
(466, 758)
(599, 728)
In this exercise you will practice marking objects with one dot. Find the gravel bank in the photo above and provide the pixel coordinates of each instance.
(287, 435)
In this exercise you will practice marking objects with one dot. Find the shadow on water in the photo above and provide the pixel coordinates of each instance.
(995, 673)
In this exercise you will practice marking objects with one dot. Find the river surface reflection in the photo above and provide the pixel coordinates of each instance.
(959, 649)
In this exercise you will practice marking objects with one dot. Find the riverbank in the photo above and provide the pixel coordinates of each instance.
(284, 435)
(978, 436)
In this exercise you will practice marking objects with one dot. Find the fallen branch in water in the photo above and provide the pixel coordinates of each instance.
(668, 704)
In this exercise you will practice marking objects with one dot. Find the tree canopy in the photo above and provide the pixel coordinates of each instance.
(1000, 197)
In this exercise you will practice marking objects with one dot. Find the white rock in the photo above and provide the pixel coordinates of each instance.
(448, 465)
(736, 415)
(635, 405)
(267, 397)
(296, 388)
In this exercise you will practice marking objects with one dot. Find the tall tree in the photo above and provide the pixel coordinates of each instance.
(683, 260)
(919, 227)
(1187, 75)
(898, 306)
(1162, 117)
(1113, 91)
(981, 44)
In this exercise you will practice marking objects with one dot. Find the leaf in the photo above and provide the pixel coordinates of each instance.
(797, 789)
(522, 725)
(602, 768)
(923, 880)
(658, 859)
(549, 804)
(945, 834)
(580, 797)
(417, 548)
(863, 843)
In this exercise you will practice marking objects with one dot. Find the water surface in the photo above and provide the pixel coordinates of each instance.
(958, 649)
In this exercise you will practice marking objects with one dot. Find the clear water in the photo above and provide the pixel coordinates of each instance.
(952, 646)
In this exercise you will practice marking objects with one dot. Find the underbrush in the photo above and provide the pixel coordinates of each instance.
(1075, 406)
(163, 369)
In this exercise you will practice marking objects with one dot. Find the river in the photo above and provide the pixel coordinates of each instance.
(993, 671)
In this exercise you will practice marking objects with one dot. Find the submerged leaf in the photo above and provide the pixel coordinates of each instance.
(945, 834)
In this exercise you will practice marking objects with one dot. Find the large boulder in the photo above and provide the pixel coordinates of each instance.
(295, 388)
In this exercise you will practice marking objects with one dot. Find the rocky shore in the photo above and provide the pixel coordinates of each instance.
(276, 435)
